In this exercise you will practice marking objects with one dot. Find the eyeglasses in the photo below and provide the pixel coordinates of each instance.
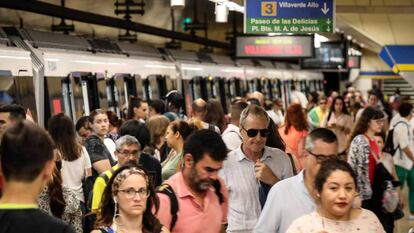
(320, 158)
(253, 132)
(134, 153)
(379, 121)
(130, 193)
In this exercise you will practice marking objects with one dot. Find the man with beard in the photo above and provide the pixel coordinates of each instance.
(195, 199)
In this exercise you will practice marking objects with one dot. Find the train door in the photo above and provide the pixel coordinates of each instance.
(79, 94)
(243, 87)
(251, 85)
(121, 88)
(54, 102)
(156, 87)
(271, 86)
(101, 91)
(198, 88)
(238, 87)
(220, 92)
(320, 82)
(212, 88)
(232, 88)
(171, 84)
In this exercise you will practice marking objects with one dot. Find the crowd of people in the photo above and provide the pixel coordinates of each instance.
(324, 164)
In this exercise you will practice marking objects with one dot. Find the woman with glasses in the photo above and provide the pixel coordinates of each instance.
(294, 132)
(339, 121)
(363, 148)
(335, 190)
(128, 203)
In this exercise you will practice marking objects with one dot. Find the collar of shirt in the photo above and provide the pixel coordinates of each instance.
(301, 179)
(240, 155)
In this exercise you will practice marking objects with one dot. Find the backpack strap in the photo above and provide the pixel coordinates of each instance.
(167, 190)
(234, 131)
(395, 125)
(217, 188)
(105, 176)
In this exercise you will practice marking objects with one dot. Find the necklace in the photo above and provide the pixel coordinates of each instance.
(337, 225)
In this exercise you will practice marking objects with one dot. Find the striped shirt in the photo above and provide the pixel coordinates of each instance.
(239, 175)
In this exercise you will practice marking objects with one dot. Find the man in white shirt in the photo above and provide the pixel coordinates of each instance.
(403, 156)
(291, 198)
(251, 170)
(231, 136)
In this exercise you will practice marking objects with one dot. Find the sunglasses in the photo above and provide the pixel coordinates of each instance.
(320, 158)
(253, 132)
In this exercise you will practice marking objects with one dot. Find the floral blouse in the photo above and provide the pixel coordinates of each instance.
(358, 158)
(366, 222)
(71, 215)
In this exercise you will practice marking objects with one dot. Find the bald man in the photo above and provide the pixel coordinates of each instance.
(259, 96)
(198, 112)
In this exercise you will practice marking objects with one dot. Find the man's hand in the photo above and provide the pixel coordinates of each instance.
(264, 174)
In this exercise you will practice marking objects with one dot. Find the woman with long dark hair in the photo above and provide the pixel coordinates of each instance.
(215, 114)
(128, 203)
(76, 164)
(363, 148)
(59, 201)
(294, 132)
(340, 122)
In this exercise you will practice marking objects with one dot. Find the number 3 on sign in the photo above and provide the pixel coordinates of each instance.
(269, 8)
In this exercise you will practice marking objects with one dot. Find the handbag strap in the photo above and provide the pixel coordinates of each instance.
(375, 155)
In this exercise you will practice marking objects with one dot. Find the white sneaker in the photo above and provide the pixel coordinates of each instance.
(410, 217)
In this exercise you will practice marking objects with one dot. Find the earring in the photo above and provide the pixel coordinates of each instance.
(116, 219)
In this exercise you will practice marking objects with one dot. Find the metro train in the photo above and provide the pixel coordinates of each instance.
(50, 73)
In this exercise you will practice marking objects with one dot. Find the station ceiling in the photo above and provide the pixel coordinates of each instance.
(374, 23)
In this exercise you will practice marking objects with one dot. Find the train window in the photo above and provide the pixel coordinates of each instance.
(19, 89)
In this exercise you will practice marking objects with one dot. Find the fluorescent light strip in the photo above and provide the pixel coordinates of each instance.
(192, 68)
(14, 57)
(98, 62)
(160, 66)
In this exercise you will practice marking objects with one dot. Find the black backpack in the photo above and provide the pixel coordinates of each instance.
(389, 144)
(167, 190)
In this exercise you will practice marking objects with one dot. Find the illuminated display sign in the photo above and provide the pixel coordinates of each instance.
(274, 46)
(354, 62)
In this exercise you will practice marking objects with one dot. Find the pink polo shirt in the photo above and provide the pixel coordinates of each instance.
(191, 216)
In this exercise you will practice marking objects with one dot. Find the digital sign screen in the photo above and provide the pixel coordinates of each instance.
(274, 46)
(354, 62)
(331, 55)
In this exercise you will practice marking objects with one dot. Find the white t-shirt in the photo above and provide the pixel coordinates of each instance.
(111, 146)
(231, 137)
(73, 173)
